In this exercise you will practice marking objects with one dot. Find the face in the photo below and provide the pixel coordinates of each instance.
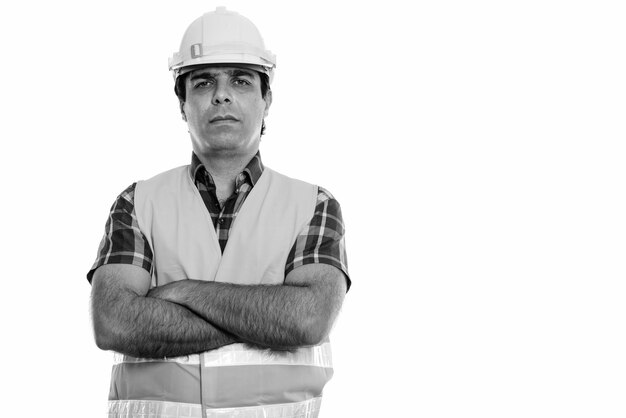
(224, 110)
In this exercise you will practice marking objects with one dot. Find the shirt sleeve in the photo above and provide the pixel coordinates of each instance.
(123, 242)
(322, 239)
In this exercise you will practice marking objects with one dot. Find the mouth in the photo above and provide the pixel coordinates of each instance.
(223, 118)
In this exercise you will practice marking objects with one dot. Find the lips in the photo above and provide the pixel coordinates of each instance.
(223, 118)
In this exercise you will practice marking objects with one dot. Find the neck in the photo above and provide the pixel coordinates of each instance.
(225, 168)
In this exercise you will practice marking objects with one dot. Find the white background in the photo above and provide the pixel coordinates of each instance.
(477, 149)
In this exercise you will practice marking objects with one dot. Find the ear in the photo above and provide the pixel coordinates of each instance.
(268, 102)
(182, 109)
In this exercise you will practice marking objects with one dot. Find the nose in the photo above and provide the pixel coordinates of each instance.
(221, 94)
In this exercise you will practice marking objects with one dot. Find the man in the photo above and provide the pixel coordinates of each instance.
(217, 283)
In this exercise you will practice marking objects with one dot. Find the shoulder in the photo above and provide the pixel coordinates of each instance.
(323, 195)
(124, 201)
(276, 176)
(165, 182)
(289, 188)
(129, 193)
(327, 204)
(328, 211)
(169, 174)
(325, 201)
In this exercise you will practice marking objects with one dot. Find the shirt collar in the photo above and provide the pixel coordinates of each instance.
(250, 174)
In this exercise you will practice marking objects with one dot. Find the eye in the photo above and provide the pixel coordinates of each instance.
(201, 84)
(241, 82)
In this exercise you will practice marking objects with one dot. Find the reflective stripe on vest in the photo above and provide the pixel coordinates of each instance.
(234, 375)
(240, 355)
(160, 409)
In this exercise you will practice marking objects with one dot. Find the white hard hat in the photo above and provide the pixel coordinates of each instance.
(222, 37)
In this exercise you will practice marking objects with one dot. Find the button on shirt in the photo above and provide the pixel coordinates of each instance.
(320, 241)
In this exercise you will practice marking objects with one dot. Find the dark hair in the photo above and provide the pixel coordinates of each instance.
(179, 89)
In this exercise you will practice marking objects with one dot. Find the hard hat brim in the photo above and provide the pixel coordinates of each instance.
(224, 58)
(230, 60)
(254, 67)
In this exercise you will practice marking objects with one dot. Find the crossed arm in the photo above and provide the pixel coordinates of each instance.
(191, 316)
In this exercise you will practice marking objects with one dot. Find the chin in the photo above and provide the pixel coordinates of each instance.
(223, 143)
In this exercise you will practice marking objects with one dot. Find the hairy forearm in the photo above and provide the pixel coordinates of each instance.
(143, 326)
(272, 316)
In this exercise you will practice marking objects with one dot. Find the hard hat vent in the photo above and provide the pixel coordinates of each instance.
(196, 50)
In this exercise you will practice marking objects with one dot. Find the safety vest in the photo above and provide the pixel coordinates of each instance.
(234, 380)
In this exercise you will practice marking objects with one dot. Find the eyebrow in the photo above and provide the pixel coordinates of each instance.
(233, 73)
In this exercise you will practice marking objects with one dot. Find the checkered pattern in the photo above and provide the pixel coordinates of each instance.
(320, 241)
(123, 242)
(223, 215)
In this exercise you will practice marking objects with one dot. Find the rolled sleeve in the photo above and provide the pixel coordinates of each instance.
(123, 242)
(322, 240)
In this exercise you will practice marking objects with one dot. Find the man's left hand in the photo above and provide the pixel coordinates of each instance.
(174, 292)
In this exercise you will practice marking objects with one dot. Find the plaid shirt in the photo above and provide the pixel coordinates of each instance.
(320, 241)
